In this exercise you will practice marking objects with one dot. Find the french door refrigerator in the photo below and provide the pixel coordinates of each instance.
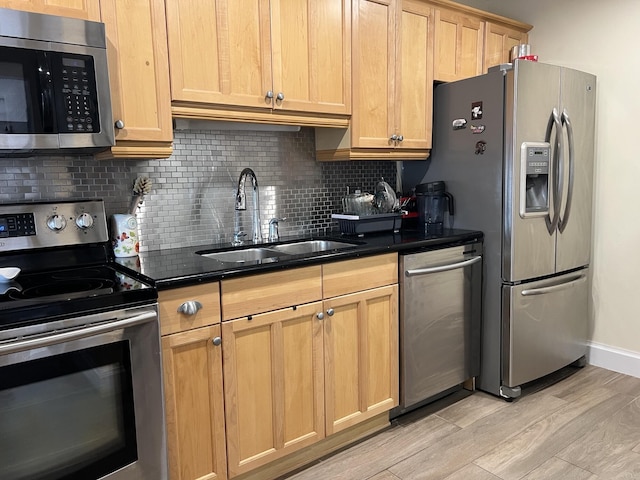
(515, 148)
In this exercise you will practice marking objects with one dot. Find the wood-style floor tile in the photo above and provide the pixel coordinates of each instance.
(472, 409)
(472, 472)
(379, 452)
(466, 445)
(607, 441)
(556, 468)
(585, 427)
(386, 475)
(514, 458)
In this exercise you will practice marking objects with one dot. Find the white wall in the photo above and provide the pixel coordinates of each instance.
(597, 37)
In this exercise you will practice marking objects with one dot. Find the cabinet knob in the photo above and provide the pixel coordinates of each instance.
(269, 94)
(320, 315)
(330, 312)
(400, 138)
(216, 341)
(190, 307)
(393, 137)
(119, 124)
(280, 96)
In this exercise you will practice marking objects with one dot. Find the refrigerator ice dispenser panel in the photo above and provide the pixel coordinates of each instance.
(534, 190)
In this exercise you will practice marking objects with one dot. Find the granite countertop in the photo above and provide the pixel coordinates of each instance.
(179, 267)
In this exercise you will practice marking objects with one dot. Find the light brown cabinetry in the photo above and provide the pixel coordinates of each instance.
(294, 374)
(498, 41)
(360, 339)
(274, 385)
(392, 84)
(84, 9)
(261, 60)
(192, 365)
(138, 73)
(458, 45)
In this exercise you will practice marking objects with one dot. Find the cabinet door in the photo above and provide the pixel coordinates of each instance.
(311, 45)
(84, 9)
(374, 72)
(361, 356)
(498, 41)
(273, 383)
(194, 405)
(415, 75)
(220, 51)
(138, 72)
(458, 45)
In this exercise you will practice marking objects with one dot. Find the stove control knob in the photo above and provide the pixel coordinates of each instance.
(84, 221)
(56, 223)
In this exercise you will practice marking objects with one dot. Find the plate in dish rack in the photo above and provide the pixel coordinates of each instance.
(8, 273)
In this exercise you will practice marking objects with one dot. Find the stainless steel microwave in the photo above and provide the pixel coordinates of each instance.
(54, 85)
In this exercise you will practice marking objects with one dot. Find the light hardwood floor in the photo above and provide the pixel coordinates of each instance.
(585, 427)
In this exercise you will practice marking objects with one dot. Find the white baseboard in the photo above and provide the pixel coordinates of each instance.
(613, 358)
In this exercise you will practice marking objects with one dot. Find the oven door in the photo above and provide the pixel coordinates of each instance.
(84, 402)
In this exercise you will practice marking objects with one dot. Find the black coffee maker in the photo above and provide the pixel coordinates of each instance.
(431, 199)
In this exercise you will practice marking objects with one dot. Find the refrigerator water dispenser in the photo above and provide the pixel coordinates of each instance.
(534, 173)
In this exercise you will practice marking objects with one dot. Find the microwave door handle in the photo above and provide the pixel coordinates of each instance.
(556, 169)
(562, 223)
(46, 97)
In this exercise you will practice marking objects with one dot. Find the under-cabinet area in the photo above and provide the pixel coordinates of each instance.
(264, 373)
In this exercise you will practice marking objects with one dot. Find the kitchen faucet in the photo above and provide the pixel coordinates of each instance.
(242, 205)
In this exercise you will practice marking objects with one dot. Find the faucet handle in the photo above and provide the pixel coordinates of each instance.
(273, 229)
(238, 238)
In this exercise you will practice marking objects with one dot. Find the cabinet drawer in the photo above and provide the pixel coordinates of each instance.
(270, 291)
(172, 321)
(351, 276)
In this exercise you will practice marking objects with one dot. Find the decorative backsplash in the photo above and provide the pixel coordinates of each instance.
(192, 198)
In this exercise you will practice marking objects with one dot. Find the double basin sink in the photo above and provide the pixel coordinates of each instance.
(271, 253)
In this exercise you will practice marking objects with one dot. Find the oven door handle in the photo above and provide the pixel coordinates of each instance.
(442, 268)
(83, 332)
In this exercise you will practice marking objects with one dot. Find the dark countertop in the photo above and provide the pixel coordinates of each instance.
(183, 266)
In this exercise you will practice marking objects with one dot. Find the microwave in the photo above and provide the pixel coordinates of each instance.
(54, 85)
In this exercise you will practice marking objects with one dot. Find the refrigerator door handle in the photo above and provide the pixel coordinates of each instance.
(442, 268)
(562, 222)
(554, 120)
(553, 288)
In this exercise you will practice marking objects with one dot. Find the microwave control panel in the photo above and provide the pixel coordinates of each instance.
(76, 89)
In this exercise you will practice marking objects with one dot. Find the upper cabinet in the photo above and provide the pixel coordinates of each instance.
(392, 84)
(138, 73)
(498, 41)
(458, 45)
(261, 60)
(84, 9)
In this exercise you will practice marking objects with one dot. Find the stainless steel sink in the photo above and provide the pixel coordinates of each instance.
(272, 253)
(310, 246)
(245, 255)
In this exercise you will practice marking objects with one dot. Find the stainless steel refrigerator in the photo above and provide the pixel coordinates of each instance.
(515, 148)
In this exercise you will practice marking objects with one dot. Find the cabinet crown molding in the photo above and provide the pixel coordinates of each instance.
(484, 15)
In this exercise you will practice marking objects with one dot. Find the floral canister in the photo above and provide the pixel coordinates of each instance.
(124, 235)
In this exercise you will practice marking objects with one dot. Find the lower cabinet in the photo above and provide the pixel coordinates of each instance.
(255, 388)
(194, 403)
(274, 383)
(360, 356)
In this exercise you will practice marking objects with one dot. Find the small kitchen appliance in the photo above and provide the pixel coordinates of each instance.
(432, 198)
(54, 85)
(80, 370)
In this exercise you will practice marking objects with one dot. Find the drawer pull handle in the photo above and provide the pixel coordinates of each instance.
(190, 308)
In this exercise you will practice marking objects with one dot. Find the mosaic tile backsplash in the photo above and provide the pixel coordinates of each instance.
(193, 195)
